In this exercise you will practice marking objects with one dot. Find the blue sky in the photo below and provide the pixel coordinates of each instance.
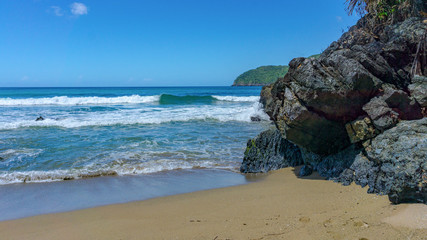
(158, 42)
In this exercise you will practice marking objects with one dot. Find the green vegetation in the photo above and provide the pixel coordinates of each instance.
(261, 76)
(315, 56)
(385, 11)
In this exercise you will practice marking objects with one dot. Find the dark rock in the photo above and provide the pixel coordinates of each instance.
(269, 151)
(310, 158)
(401, 155)
(399, 101)
(255, 118)
(356, 112)
(382, 115)
(305, 170)
(386, 109)
(307, 128)
(418, 90)
(394, 163)
(333, 165)
(312, 103)
(362, 171)
(40, 118)
(361, 130)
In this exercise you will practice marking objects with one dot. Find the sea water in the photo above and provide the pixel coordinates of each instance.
(95, 132)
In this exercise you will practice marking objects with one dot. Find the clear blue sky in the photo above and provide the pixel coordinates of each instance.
(158, 42)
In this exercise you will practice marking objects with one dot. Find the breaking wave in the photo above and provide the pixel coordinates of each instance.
(133, 99)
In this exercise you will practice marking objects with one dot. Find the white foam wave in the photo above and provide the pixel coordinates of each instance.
(107, 170)
(67, 101)
(144, 116)
(237, 99)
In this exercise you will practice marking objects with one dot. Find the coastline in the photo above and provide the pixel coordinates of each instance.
(281, 206)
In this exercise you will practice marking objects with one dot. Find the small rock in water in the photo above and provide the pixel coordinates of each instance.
(40, 118)
(255, 119)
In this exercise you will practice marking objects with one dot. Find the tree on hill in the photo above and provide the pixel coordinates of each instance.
(261, 76)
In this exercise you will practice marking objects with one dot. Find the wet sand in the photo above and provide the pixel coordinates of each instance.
(281, 206)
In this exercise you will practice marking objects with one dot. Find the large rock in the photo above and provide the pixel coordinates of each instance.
(382, 115)
(390, 106)
(317, 97)
(307, 128)
(269, 151)
(394, 163)
(418, 90)
(361, 130)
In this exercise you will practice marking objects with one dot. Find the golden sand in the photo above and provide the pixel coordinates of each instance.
(281, 206)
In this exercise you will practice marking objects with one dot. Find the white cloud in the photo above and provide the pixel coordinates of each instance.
(57, 11)
(339, 18)
(78, 9)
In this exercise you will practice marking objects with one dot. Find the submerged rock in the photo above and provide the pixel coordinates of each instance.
(255, 118)
(269, 151)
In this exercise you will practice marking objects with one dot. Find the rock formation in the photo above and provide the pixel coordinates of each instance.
(269, 151)
(357, 113)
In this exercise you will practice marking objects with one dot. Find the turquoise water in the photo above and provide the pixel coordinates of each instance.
(92, 132)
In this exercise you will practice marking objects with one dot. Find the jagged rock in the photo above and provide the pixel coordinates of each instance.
(362, 171)
(266, 98)
(401, 154)
(399, 101)
(305, 170)
(394, 163)
(335, 87)
(317, 97)
(333, 165)
(382, 115)
(321, 105)
(269, 151)
(361, 130)
(308, 129)
(255, 118)
(418, 90)
(386, 109)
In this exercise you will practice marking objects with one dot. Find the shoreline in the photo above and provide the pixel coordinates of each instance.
(22, 200)
(281, 206)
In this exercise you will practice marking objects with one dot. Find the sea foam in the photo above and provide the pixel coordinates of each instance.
(64, 100)
(94, 170)
(132, 99)
(145, 116)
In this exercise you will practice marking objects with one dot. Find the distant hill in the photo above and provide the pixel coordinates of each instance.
(261, 76)
(316, 56)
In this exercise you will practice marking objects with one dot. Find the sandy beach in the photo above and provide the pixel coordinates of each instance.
(281, 206)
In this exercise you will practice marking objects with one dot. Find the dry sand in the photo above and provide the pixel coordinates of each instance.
(281, 206)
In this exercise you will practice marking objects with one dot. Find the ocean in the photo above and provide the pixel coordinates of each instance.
(133, 133)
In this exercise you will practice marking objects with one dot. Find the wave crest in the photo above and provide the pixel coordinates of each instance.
(69, 101)
(133, 99)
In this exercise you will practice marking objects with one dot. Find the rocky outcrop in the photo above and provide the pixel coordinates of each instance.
(269, 151)
(357, 113)
(360, 74)
(418, 90)
(394, 163)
